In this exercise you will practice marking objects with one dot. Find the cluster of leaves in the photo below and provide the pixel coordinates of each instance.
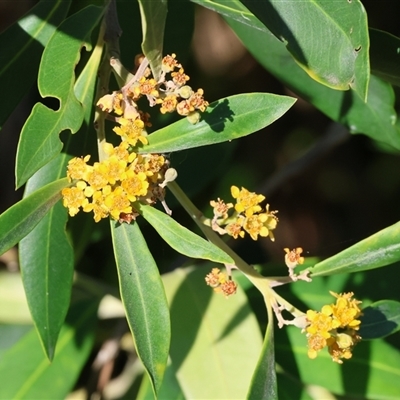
(329, 74)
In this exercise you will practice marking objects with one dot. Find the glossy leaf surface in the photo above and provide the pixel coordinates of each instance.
(39, 142)
(226, 119)
(380, 319)
(153, 15)
(31, 376)
(22, 217)
(328, 39)
(378, 250)
(48, 269)
(29, 35)
(144, 300)
(182, 239)
(47, 264)
(376, 118)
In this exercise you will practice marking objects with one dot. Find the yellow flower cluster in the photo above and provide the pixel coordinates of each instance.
(170, 92)
(221, 283)
(335, 327)
(109, 187)
(248, 216)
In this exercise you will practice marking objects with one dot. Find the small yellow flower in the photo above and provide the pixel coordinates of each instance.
(74, 198)
(293, 257)
(346, 310)
(131, 130)
(78, 168)
(154, 163)
(220, 208)
(220, 282)
(197, 101)
(320, 322)
(121, 151)
(148, 87)
(246, 201)
(169, 63)
(135, 185)
(117, 202)
(180, 78)
(97, 178)
(184, 108)
(115, 169)
(228, 288)
(213, 279)
(335, 327)
(234, 229)
(168, 104)
(260, 224)
(97, 206)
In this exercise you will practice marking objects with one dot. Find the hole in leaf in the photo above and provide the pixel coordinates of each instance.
(357, 49)
(51, 102)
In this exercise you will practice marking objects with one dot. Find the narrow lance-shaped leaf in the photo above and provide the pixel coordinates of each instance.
(22, 44)
(380, 319)
(226, 119)
(182, 239)
(47, 270)
(328, 39)
(39, 141)
(153, 15)
(143, 297)
(264, 383)
(376, 118)
(378, 250)
(22, 217)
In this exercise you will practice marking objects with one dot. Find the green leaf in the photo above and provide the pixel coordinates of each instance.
(47, 273)
(153, 16)
(215, 341)
(22, 217)
(39, 141)
(264, 382)
(21, 45)
(182, 239)
(376, 118)
(28, 375)
(47, 270)
(380, 319)
(329, 40)
(378, 250)
(144, 300)
(373, 372)
(226, 119)
(384, 56)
